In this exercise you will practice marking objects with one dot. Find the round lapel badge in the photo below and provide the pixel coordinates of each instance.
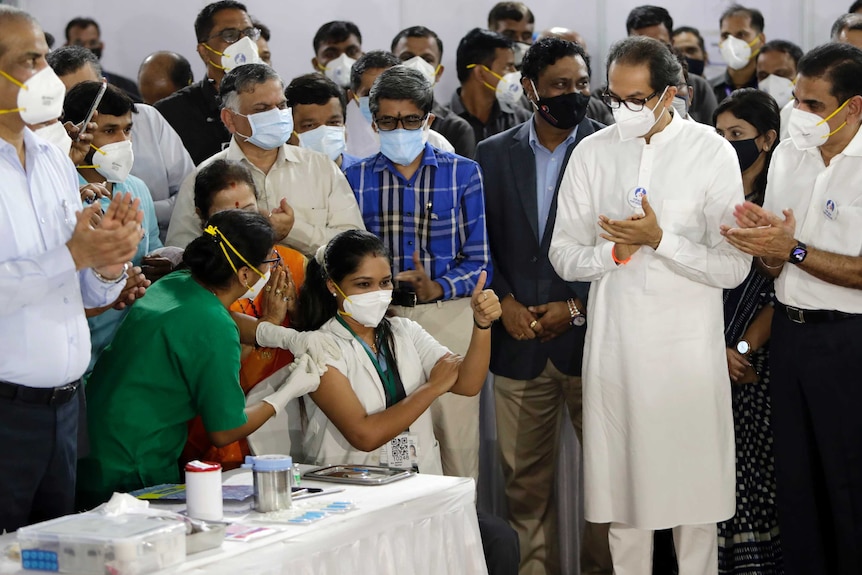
(830, 210)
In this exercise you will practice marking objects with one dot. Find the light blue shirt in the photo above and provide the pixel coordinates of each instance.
(548, 166)
(44, 340)
(105, 325)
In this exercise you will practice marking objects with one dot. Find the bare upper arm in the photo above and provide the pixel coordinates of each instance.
(337, 399)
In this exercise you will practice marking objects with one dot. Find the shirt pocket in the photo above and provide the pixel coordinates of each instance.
(313, 216)
(842, 234)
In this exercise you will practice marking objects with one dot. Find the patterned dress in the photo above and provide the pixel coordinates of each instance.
(749, 543)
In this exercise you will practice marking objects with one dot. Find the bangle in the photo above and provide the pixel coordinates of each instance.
(619, 262)
(769, 267)
(476, 323)
(117, 279)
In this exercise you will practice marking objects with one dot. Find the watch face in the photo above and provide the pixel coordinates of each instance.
(798, 254)
(579, 320)
(743, 347)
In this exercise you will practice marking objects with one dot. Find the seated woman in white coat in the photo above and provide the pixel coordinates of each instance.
(372, 403)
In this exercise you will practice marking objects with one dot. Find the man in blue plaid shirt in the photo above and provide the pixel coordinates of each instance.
(428, 207)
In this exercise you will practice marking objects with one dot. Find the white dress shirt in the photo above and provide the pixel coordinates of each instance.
(161, 161)
(321, 198)
(799, 179)
(44, 338)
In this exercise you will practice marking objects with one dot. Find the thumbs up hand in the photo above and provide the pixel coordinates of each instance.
(485, 303)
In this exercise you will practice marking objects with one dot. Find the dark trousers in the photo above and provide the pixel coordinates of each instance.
(37, 468)
(816, 392)
(500, 545)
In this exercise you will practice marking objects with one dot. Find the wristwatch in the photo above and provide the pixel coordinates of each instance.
(578, 319)
(743, 347)
(797, 254)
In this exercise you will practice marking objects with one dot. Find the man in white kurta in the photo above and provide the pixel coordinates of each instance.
(658, 426)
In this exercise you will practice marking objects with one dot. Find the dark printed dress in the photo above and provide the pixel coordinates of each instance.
(748, 543)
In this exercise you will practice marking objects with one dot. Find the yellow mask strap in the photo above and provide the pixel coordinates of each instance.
(493, 73)
(832, 115)
(222, 240)
(93, 166)
(17, 83)
(342, 295)
(214, 51)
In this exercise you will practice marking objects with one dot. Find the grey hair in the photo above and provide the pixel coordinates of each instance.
(847, 22)
(401, 83)
(664, 68)
(244, 79)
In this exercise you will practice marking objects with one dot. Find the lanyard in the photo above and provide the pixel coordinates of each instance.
(388, 377)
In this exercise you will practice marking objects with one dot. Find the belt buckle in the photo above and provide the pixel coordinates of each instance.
(60, 395)
(795, 314)
(414, 299)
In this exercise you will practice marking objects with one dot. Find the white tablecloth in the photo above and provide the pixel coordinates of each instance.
(423, 525)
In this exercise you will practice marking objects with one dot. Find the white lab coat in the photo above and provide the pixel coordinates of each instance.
(658, 426)
(416, 353)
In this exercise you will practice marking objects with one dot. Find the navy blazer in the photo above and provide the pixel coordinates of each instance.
(521, 264)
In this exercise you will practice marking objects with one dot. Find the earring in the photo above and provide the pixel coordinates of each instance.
(333, 294)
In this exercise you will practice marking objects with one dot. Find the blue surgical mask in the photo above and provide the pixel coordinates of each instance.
(270, 129)
(365, 109)
(403, 146)
(327, 140)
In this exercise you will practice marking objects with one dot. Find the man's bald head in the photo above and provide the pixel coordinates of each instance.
(12, 15)
(563, 34)
(163, 73)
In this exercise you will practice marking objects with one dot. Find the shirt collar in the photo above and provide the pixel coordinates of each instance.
(670, 131)
(32, 145)
(534, 138)
(854, 148)
(381, 162)
(458, 107)
(286, 153)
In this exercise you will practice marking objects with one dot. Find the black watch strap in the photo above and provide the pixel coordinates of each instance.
(798, 253)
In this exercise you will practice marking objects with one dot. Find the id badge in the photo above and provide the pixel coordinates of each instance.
(401, 452)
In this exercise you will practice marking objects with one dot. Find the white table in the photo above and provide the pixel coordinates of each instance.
(423, 525)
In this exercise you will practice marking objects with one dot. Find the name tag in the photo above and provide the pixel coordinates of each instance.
(831, 210)
(401, 452)
(635, 199)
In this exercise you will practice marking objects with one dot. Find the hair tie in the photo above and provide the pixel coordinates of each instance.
(320, 258)
(213, 231)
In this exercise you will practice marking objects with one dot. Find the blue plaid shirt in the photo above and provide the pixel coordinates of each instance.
(440, 210)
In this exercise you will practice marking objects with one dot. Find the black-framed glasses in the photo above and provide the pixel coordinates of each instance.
(275, 259)
(412, 122)
(231, 35)
(614, 102)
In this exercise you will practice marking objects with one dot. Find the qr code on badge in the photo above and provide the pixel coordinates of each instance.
(400, 450)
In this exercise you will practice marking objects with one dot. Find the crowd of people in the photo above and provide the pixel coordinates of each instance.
(668, 261)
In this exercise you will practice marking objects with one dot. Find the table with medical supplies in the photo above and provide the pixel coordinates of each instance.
(423, 524)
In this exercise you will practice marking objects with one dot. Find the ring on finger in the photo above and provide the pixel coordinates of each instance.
(268, 288)
(533, 323)
(278, 292)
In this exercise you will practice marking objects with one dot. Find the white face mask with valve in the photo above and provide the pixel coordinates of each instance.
(338, 70)
(240, 53)
(509, 92)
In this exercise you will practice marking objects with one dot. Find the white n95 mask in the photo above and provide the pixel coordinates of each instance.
(421, 65)
(325, 139)
(631, 125)
(736, 52)
(509, 92)
(40, 98)
(55, 133)
(338, 70)
(778, 87)
(114, 161)
(809, 130)
(240, 53)
(368, 308)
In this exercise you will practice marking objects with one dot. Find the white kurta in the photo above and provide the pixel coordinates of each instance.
(658, 426)
(416, 353)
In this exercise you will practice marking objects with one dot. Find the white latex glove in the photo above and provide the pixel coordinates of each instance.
(321, 347)
(291, 381)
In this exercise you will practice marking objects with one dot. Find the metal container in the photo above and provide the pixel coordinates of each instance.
(272, 475)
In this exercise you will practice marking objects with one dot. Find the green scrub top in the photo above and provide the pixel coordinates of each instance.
(176, 355)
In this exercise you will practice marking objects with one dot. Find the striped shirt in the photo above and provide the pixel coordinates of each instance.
(440, 210)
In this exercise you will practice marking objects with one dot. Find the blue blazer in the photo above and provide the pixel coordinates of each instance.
(521, 264)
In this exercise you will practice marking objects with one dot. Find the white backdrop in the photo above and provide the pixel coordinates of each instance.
(131, 30)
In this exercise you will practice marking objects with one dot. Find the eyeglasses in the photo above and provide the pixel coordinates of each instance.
(412, 122)
(231, 35)
(275, 259)
(634, 104)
